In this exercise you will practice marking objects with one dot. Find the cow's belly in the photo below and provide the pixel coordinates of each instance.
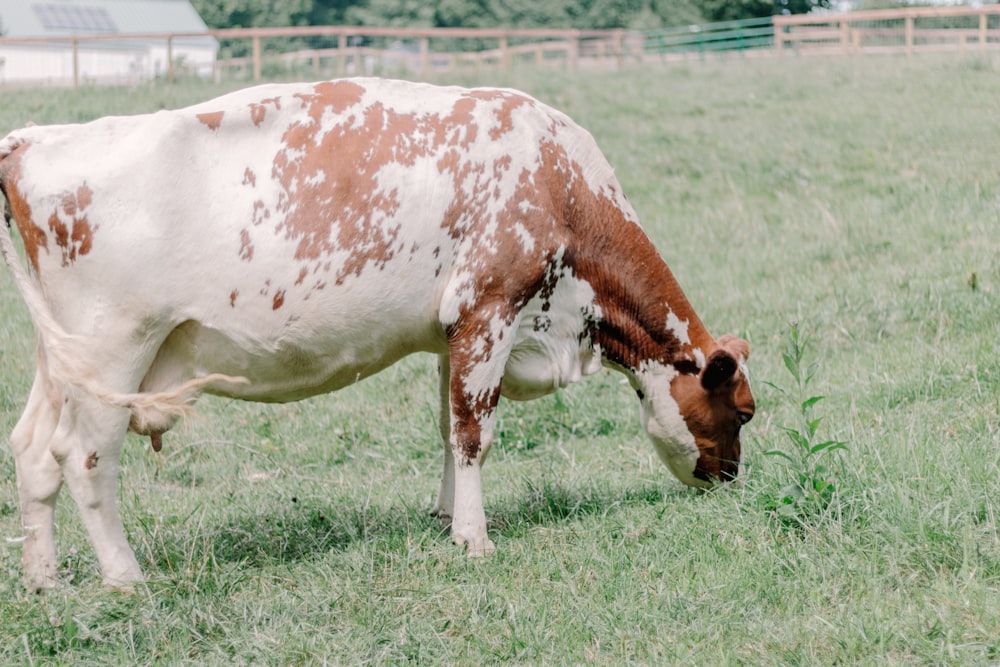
(319, 357)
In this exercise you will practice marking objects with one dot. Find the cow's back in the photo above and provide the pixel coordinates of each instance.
(347, 223)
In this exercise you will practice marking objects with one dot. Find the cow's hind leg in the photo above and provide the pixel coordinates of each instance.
(88, 443)
(39, 479)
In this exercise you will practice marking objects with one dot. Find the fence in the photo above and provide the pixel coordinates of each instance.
(340, 50)
(375, 50)
(337, 50)
(354, 50)
(907, 30)
(699, 40)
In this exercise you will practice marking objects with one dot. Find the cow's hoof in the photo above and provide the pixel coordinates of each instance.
(126, 582)
(121, 588)
(38, 586)
(443, 514)
(477, 547)
(481, 549)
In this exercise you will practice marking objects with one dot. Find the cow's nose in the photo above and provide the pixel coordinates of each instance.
(729, 470)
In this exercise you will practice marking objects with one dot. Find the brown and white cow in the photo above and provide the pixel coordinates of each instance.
(288, 240)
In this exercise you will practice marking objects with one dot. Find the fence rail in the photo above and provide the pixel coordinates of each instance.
(906, 30)
(406, 47)
(339, 50)
(711, 37)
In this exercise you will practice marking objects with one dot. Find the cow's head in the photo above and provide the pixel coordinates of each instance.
(694, 420)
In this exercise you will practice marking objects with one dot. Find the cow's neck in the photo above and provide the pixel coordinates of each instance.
(645, 317)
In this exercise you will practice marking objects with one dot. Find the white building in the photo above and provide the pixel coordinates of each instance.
(107, 60)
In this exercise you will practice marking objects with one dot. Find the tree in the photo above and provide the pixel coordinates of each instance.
(800, 6)
(732, 10)
(584, 14)
(401, 13)
(254, 13)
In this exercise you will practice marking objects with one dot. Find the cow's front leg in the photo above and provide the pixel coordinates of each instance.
(468, 525)
(477, 365)
(88, 442)
(471, 436)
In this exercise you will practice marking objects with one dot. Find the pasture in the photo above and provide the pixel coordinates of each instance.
(857, 197)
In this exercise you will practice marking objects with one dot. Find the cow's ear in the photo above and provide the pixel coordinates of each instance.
(719, 368)
(736, 346)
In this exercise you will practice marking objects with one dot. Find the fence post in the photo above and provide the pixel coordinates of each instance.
(779, 34)
(909, 35)
(425, 51)
(572, 48)
(982, 29)
(76, 63)
(844, 36)
(170, 59)
(341, 54)
(256, 58)
(504, 53)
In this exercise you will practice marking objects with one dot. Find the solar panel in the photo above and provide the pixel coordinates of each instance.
(76, 18)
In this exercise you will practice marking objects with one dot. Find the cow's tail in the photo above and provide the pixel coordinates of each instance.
(67, 368)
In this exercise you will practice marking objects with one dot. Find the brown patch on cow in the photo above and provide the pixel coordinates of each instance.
(471, 342)
(91, 461)
(330, 196)
(634, 288)
(232, 297)
(337, 95)
(33, 236)
(279, 299)
(258, 110)
(505, 113)
(69, 223)
(212, 120)
(260, 213)
(246, 246)
(328, 203)
(249, 178)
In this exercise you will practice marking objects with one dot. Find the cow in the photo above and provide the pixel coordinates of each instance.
(288, 240)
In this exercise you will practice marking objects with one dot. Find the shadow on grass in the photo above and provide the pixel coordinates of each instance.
(300, 530)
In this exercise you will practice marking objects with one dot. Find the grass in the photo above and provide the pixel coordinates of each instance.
(857, 196)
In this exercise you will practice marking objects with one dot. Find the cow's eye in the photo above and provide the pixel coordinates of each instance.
(744, 417)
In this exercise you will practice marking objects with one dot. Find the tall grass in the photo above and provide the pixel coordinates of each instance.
(857, 196)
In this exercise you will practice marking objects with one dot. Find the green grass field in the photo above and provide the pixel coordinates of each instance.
(856, 197)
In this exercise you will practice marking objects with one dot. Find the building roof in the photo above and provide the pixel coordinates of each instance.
(49, 18)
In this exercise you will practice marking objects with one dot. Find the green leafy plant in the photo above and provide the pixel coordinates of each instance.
(810, 458)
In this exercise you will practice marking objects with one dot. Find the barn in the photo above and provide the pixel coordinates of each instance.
(108, 60)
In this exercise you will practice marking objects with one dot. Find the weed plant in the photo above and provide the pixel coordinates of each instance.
(810, 462)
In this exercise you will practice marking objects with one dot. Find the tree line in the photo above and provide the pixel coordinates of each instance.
(582, 14)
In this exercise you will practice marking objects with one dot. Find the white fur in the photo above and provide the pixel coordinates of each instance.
(664, 423)
(678, 327)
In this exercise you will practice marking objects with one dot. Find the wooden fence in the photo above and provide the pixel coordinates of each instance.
(906, 30)
(369, 50)
(343, 50)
